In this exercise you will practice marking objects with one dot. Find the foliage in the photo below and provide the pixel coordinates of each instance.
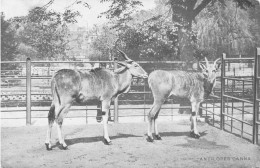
(176, 31)
(9, 45)
(121, 10)
(185, 11)
(141, 38)
(254, 15)
(224, 29)
(45, 31)
(8, 41)
(103, 43)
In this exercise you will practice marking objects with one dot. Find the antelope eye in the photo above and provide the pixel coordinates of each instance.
(214, 71)
(207, 71)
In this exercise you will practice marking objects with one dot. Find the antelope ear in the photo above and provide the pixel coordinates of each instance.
(217, 66)
(202, 66)
(129, 61)
(123, 64)
(119, 70)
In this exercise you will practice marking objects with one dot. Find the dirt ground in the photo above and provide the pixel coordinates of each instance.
(24, 147)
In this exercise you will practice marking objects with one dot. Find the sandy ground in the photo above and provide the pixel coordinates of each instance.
(24, 147)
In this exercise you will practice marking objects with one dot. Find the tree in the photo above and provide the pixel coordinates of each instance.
(224, 29)
(254, 15)
(184, 13)
(121, 11)
(142, 38)
(9, 44)
(104, 43)
(45, 31)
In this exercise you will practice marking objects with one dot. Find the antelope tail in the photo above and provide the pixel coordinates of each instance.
(55, 92)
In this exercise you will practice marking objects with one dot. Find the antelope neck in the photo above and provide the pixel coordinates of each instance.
(208, 87)
(124, 80)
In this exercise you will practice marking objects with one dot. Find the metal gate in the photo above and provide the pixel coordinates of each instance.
(235, 106)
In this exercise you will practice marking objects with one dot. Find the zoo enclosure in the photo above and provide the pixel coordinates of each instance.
(237, 94)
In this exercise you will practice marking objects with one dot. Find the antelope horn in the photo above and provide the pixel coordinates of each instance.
(216, 61)
(207, 62)
(125, 56)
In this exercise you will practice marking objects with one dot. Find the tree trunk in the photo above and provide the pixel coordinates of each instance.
(186, 55)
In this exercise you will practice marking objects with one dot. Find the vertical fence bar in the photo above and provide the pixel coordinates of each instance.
(213, 109)
(86, 114)
(232, 103)
(222, 91)
(243, 110)
(200, 108)
(116, 99)
(257, 95)
(28, 91)
(144, 100)
(255, 115)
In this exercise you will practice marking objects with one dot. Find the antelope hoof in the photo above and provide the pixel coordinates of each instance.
(158, 137)
(149, 139)
(110, 119)
(63, 147)
(194, 135)
(99, 118)
(106, 142)
(48, 146)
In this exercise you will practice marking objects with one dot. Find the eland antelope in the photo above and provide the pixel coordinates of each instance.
(70, 86)
(195, 86)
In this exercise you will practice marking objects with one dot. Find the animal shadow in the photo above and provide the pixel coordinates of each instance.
(176, 134)
(73, 141)
(202, 144)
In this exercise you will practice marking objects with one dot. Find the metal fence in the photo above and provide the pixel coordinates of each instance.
(26, 91)
(235, 107)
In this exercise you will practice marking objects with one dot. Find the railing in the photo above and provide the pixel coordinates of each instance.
(32, 95)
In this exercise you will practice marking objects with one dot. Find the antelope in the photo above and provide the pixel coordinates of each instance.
(101, 84)
(196, 86)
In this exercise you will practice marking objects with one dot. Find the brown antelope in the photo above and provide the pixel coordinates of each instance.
(105, 85)
(193, 85)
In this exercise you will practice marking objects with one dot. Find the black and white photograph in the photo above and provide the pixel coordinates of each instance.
(130, 84)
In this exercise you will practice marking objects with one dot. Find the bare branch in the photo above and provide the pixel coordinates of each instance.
(200, 7)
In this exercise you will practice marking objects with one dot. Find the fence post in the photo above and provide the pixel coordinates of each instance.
(222, 91)
(256, 107)
(28, 91)
(116, 99)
